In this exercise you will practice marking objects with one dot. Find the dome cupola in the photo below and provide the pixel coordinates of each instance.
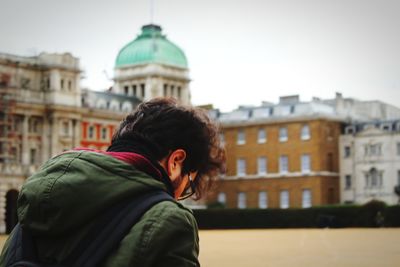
(151, 46)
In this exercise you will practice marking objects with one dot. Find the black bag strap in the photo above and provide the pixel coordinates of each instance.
(101, 240)
(114, 226)
(21, 250)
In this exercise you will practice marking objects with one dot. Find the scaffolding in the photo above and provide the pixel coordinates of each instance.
(7, 117)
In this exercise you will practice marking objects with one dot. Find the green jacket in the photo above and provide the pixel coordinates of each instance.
(61, 201)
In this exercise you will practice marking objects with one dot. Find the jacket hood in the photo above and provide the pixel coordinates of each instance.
(73, 188)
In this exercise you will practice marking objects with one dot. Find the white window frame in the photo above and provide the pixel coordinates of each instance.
(347, 182)
(222, 138)
(263, 200)
(305, 163)
(306, 198)
(241, 137)
(345, 151)
(241, 167)
(221, 198)
(262, 136)
(283, 134)
(91, 134)
(104, 133)
(283, 164)
(242, 200)
(305, 132)
(284, 199)
(262, 168)
(65, 128)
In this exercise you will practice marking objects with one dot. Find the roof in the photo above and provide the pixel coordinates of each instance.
(151, 46)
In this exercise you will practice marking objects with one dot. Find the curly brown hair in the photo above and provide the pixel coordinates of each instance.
(165, 125)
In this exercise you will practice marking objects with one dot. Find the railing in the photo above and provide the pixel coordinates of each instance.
(17, 169)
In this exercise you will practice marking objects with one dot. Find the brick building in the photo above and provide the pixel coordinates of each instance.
(286, 155)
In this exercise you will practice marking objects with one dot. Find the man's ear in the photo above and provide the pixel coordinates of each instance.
(175, 163)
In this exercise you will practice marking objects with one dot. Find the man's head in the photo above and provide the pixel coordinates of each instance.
(183, 140)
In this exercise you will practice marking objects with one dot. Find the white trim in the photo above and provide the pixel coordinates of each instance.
(280, 175)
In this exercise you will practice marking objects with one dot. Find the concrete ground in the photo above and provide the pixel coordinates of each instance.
(299, 248)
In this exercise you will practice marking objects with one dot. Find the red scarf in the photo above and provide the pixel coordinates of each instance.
(140, 162)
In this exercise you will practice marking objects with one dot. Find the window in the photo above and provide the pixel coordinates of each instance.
(134, 90)
(222, 198)
(142, 90)
(374, 178)
(373, 149)
(179, 89)
(398, 149)
(241, 137)
(262, 136)
(283, 134)
(284, 199)
(263, 200)
(347, 182)
(69, 85)
(241, 167)
(104, 133)
(262, 165)
(165, 90)
(398, 178)
(350, 130)
(305, 132)
(306, 199)
(65, 128)
(347, 151)
(386, 127)
(62, 84)
(33, 156)
(305, 163)
(126, 90)
(33, 125)
(222, 138)
(241, 200)
(283, 164)
(91, 132)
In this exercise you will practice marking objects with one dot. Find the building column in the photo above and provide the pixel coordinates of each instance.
(76, 136)
(25, 144)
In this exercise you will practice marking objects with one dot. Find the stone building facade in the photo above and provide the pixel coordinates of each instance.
(39, 118)
(370, 162)
(44, 111)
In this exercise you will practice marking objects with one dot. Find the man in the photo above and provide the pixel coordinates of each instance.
(160, 146)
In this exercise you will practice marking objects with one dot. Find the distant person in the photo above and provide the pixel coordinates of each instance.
(161, 146)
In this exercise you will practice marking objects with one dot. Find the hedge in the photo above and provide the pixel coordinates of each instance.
(373, 214)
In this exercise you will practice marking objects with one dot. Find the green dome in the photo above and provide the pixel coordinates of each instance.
(151, 47)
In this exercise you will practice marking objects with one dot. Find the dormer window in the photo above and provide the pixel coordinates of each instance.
(386, 127)
(350, 129)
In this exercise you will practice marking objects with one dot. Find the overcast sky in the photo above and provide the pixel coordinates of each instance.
(239, 52)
